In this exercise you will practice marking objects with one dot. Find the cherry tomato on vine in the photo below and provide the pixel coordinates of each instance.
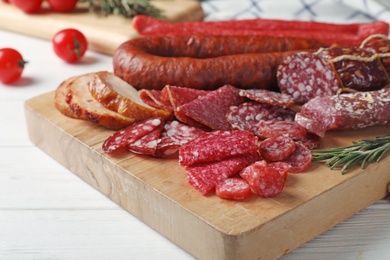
(11, 65)
(70, 45)
(62, 5)
(27, 6)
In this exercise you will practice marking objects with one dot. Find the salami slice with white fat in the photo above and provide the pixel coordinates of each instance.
(275, 128)
(268, 97)
(233, 189)
(217, 145)
(181, 133)
(265, 181)
(248, 116)
(131, 134)
(300, 160)
(276, 148)
(152, 97)
(147, 145)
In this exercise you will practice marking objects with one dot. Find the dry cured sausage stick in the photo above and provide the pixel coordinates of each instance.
(345, 111)
(205, 62)
(331, 71)
(340, 34)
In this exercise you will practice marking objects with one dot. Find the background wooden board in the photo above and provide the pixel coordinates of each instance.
(103, 33)
(156, 191)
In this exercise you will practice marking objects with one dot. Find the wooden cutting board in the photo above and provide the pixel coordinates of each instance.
(156, 191)
(104, 34)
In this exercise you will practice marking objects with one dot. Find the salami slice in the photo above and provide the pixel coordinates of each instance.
(217, 145)
(130, 134)
(275, 128)
(181, 133)
(300, 160)
(346, 111)
(147, 145)
(152, 97)
(268, 97)
(210, 110)
(233, 189)
(175, 96)
(248, 116)
(264, 180)
(166, 147)
(276, 148)
(305, 76)
(282, 167)
(311, 141)
(205, 176)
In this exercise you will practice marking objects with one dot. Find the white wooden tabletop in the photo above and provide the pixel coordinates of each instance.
(46, 212)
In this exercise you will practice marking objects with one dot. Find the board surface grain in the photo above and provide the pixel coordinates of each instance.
(156, 191)
(104, 34)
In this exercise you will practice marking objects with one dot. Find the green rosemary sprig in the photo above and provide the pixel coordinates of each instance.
(363, 151)
(126, 8)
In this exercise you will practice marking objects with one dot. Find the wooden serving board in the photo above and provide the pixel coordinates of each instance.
(156, 191)
(104, 34)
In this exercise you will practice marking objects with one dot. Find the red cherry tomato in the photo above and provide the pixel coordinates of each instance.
(62, 5)
(11, 65)
(70, 45)
(28, 6)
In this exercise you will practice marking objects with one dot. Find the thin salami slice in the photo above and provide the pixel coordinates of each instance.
(152, 97)
(217, 145)
(166, 147)
(175, 96)
(181, 133)
(274, 128)
(276, 148)
(233, 189)
(300, 160)
(268, 97)
(248, 116)
(130, 134)
(311, 141)
(305, 76)
(182, 117)
(147, 145)
(210, 110)
(264, 180)
(205, 176)
(282, 167)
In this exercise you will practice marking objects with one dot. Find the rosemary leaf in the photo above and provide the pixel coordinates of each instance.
(364, 151)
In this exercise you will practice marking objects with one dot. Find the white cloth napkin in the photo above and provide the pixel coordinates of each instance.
(340, 11)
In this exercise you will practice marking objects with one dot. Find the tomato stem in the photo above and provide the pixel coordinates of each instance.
(22, 63)
(77, 48)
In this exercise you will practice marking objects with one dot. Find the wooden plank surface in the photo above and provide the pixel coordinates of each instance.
(103, 33)
(156, 191)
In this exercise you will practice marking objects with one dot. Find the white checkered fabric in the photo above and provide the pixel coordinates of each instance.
(340, 11)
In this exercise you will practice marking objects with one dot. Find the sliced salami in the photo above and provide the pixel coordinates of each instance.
(305, 76)
(210, 110)
(300, 160)
(268, 97)
(175, 96)
(275, 128)
(217, 145)
(311, 141)
(130, 134)
(282, 167)
(264, 180)
(248, 116)
(233, 189)
(147, 145)
(205, 176)
(152, 97)
(166, 147)
(181, 133)
(276, 148)
(346, 111)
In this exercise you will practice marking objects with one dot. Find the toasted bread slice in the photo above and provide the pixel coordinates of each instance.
(117, 95)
